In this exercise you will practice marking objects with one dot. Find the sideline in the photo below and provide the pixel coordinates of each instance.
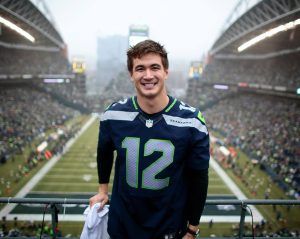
(44, 170)
(257, 217)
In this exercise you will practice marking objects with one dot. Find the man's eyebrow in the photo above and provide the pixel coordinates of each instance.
(155, 64)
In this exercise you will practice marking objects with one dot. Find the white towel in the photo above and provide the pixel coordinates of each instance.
(95, 226)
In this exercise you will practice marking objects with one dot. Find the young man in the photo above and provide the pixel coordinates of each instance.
(162, 144)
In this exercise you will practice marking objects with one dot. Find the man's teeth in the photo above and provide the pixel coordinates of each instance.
(149, 84)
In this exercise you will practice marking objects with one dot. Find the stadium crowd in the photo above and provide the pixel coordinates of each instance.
(26, 115)
(264, 229)
(119, 88)
(272, 71)
(267, 128)
(203, 96)
(27, 229)
(68, 90)
(16, 61)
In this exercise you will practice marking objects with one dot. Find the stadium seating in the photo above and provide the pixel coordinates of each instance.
(278, 71)
(267, 129)
(25, 114)
(16, 61)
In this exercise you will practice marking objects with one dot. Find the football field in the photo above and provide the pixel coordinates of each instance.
(74, 175)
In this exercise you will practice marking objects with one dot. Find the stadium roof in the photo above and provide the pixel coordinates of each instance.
(25, 15)
(263, 16)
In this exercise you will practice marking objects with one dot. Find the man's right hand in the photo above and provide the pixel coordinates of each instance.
(102, 198)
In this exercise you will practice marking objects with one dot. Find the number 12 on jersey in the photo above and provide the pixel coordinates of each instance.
(149, 180)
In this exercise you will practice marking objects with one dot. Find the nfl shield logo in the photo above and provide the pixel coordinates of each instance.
(149, 123)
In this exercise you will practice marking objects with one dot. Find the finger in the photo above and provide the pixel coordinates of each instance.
(102, 203)
(92, 202)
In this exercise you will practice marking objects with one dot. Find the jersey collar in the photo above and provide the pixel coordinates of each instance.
(170, 105)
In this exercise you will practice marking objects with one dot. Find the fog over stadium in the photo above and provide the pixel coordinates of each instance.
(187, 28)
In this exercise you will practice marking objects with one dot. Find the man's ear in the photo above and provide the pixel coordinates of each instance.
(130, 75)
(167, 73)
(131, 79)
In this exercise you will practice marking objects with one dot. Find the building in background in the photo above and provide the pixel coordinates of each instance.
(111, 58)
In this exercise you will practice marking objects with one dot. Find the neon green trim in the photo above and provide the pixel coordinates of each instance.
(107, 107)
(201, 118)
(170, 107)
(134, 103)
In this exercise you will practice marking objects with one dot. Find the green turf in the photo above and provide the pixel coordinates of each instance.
(76, 170)
(69, 174)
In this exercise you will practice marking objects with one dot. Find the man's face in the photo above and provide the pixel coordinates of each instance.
(149, 75)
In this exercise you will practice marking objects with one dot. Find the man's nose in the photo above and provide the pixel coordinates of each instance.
(148, 74)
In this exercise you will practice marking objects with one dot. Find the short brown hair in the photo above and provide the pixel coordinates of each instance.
(146, 47)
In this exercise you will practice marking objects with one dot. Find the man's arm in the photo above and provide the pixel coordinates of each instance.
(104, 164)
(197, 193)
(197, 174)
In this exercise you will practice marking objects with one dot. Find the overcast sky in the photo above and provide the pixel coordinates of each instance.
(187, 28)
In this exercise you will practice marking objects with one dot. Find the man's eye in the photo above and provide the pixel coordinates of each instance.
(139, 69)
(155, 67)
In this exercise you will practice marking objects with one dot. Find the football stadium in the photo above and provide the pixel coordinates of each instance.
(247, 88)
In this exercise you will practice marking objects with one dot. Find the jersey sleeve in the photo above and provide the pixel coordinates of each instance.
(105, 151)
(200, 154)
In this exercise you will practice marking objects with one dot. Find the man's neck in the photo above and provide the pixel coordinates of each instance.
(152, 106)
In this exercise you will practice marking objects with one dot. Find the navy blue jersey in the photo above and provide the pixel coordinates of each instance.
(153, 155)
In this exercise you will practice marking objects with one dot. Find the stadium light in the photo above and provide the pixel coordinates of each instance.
(17, 29)
(268, 34)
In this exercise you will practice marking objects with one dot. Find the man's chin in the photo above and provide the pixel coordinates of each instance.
(148, 94)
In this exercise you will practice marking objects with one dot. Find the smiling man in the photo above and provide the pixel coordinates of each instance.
(162, 144)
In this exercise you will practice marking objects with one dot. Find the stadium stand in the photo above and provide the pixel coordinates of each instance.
(36, 61)
(205, 96)
(279, 71)
(257, 109)
(267, 129)
(28, 108)
(23, 117)
(32, 112)
(18, 61)
(119, 88)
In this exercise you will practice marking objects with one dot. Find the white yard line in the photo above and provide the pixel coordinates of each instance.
(85, 184)
(41, 173)
(257, 217)
(68, 170)
(66, 176)
(63, 192)
(218, 186)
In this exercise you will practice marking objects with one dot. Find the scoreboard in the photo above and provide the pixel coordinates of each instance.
(196, 69)
(137, 33)
(78, 66)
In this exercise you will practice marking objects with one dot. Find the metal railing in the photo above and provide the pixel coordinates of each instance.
(242, 203)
